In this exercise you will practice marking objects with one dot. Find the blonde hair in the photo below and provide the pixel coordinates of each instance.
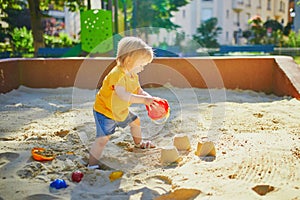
(132, 46)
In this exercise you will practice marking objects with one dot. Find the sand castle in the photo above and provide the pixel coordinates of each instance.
(205, 149)
(181, 142)
(169, 154)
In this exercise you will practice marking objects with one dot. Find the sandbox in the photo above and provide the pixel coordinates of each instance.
(254, 124)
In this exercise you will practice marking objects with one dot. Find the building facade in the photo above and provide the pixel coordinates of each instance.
(232, 15)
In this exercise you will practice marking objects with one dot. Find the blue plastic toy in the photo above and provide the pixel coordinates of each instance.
(58, 184)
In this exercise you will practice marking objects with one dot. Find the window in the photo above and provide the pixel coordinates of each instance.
(206, 14)
(227, 14)
(269, 5)
(259, 4)
(249, 3)
(238, 19)
(282, 5)
(183, 14)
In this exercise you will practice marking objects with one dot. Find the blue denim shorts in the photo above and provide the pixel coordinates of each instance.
(106, 126)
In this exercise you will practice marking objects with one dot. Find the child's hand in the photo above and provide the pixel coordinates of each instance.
(152, 102)
(149, 100)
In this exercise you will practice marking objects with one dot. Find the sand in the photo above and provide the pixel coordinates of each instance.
(256, 136)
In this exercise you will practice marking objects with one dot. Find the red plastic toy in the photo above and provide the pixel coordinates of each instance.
(77, 176)
(160, 110)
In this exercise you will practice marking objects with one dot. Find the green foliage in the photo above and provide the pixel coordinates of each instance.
(258, 30)
(156, 13)
(275, 38)
(297, 60)
(10, 10)
(273, 24)
(207, 33)
(279, 36)
(63, 40)
(35, 6)
(73, 5)
(287, 29)
(4, 46)
(22, 40)
(14, 4)
(293, 40)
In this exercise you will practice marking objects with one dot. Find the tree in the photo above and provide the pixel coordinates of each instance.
(274, 32)
(5, 7)
(207, 33)
(274, 25)
(36, 24)
(17, 18)
(153, 13)
(16, 15)
(258, 30)
(36, 7)
(287, 29)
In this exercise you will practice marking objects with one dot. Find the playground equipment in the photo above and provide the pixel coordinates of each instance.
(96, 31)
(96, 36)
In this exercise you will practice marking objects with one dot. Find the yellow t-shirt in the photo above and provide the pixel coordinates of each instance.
(107, 101)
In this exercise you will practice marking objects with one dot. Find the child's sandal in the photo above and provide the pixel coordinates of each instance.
(145, 145)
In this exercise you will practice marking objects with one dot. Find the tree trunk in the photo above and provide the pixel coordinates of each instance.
(36, 25)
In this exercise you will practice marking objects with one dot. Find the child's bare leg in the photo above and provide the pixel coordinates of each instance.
(136, 132)
(96, 150)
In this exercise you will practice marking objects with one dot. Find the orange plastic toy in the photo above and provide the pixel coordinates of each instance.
(41, 154)
(161, 110)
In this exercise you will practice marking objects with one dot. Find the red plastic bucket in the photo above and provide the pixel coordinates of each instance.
(160, 110)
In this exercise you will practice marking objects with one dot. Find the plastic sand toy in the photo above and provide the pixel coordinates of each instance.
(58, 184)
(115, 175)
(160, 112)
(41, 154)
(77, 176)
